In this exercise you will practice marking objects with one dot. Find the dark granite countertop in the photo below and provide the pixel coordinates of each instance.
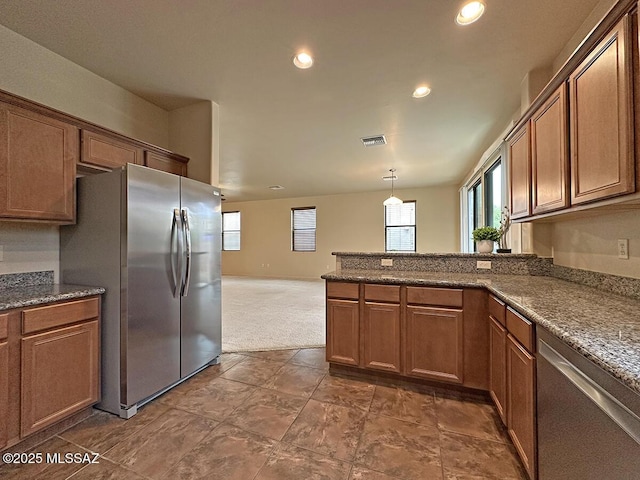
(604, 327)
(19, 297)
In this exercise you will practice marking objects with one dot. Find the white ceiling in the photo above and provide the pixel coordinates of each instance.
(301, 128)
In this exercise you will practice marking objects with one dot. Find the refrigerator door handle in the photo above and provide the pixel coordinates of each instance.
(175, 252)
(187, 251)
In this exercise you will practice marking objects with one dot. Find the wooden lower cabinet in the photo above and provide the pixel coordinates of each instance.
(498, 367)
(434, 343)
(381, 336)
(521, 403)
(343, 331)
(49, 365)
(4, 392)
(59, 375)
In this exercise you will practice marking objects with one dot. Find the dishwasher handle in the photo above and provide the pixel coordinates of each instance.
(616, 411)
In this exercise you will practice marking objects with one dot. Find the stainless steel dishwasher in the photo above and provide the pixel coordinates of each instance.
(588, 421)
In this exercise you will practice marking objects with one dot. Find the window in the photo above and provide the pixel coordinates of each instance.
(474, 195)
(483, 198)
(303, 229)
(493, 194)
(230, 230)
(400, 227)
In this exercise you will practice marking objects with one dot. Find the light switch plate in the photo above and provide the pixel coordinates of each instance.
(386, 262)
(484, 264)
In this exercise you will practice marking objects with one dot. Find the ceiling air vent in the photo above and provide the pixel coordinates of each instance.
(373, 141)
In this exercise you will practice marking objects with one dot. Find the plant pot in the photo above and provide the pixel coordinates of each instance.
(503, 250)
(485, 246)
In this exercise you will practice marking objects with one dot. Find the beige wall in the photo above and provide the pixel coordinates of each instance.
(33, 72)
(592, 243)
(193, 132)
(29, 247)
(350, 222)
(38, 74)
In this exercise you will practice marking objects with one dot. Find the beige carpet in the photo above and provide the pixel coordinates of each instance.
(272, 314)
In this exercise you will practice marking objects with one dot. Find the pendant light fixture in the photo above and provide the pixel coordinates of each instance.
(392, 200)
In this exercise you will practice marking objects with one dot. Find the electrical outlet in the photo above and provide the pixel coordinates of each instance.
(386, 262)
(484, 264)
(623, 248)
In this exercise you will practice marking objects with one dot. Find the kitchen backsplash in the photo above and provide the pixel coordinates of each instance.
(509, 264)
(11, 280)
(518, 264)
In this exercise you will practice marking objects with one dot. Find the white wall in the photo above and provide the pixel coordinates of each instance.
(349, 222)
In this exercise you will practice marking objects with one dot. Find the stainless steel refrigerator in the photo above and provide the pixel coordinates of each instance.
(152, 239)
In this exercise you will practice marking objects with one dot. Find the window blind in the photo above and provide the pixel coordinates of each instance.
(400, 227)
(231, 230)
(303, 229)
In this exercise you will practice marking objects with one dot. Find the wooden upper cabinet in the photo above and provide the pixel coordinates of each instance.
(38, 158)
(549, 155)
(602, 159)
(166, 162)
(520, 173)
(106, 152)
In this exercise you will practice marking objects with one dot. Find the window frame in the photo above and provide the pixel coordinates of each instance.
(293, 229)
(414, 226)
(223, 231)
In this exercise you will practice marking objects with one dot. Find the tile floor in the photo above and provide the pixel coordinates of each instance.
(279, 415)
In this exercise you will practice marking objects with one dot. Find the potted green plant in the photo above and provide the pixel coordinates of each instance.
(505, 224)
(485, 238)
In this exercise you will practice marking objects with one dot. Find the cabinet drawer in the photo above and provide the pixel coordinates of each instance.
(343, 290)
(497, 309)
(522, 329)
(50, 316)
(382, 293)
(4, 326)
(445, 297)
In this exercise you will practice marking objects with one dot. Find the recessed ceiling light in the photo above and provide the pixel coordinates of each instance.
(421, 91)
(276, 187)
(303, 60)
(471, 12)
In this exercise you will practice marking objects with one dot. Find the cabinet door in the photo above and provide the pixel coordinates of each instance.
(549, 158)
(4, 392)
(520, 173)
(434, 343)
(38, 158)
(60, 375)
(498, 367)
(602, 160)
(108, 152)
(381, 331)
(521, 402)
(343, 332)
(166, 163)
